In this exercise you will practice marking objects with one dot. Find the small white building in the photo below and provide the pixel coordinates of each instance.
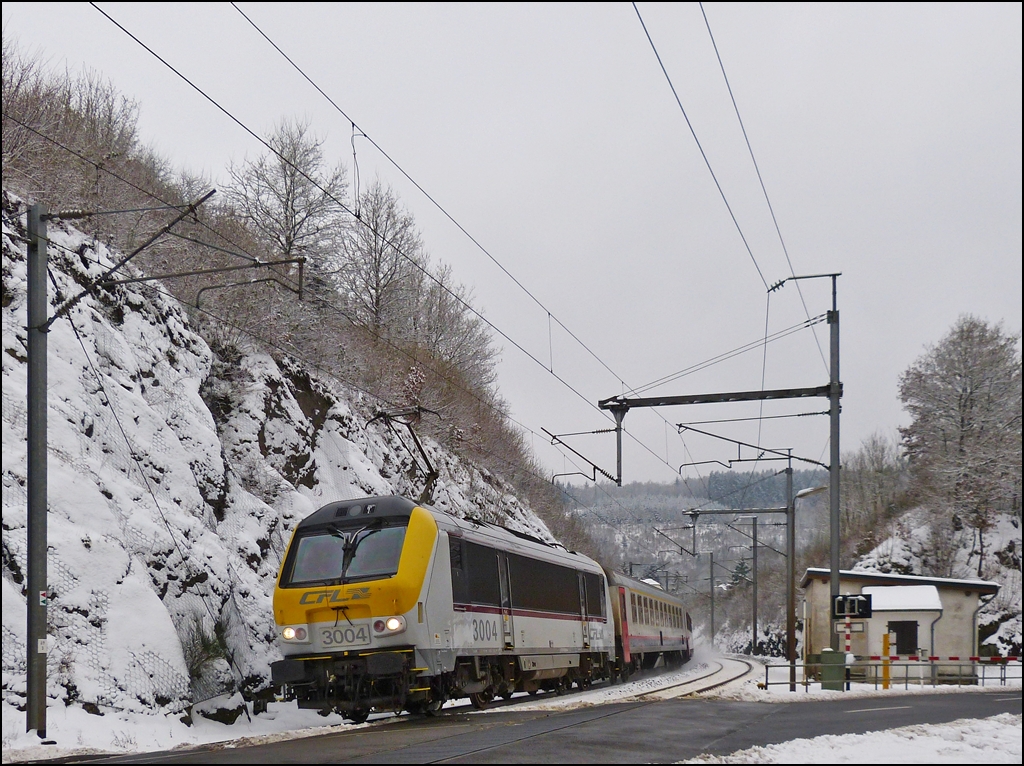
(930, 616)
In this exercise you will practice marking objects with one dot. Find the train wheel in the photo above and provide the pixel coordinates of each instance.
(359, 715)
(433, 707)
(482, 699)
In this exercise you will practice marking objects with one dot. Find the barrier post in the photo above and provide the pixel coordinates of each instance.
(885, 660)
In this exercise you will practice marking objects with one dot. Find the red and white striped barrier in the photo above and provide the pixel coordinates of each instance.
(916, 658)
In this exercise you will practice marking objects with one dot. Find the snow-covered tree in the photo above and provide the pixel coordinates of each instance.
(451, 332)
(381, 273)
(964, 441)
(291, 197)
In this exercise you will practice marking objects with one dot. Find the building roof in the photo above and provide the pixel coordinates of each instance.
(878, 578)
(903, 598)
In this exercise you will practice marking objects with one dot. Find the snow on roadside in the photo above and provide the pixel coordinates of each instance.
(749, 690)
(78, 733)
(968, 740)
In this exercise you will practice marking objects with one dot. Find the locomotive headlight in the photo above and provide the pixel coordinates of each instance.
(388, 626)
(294, 633)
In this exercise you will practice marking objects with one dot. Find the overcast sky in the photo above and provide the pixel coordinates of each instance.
(888, 138)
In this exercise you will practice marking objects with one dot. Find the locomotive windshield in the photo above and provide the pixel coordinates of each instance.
(340, 554)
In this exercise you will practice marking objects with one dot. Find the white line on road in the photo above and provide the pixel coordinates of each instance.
(873, 709)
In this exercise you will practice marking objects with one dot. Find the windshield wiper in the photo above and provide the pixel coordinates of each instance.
(351, 545)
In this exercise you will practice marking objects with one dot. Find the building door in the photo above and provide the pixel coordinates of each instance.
(906, 636)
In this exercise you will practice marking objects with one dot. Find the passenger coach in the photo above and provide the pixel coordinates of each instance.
(650, 624)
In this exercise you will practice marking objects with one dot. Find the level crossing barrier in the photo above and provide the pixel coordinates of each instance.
(894, 671)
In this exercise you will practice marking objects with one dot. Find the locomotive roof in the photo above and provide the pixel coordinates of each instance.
(485, 532)
(387, 505)
(396, 506)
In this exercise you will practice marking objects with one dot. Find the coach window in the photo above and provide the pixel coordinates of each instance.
(477, 581)
(543, 586)
(632, 603)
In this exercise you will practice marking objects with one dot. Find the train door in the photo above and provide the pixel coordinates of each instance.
(508, 630)
(624, 621)
(583, 609)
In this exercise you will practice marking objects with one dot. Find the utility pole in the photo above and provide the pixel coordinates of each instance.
(38, 590)
(753, 645)
(712, 581)
(790, 578)
(38, 326)
(835, 391)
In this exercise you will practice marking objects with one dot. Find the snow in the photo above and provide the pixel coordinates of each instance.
(164, 520)
(921, 598)
(78, 733)
(750, 689)
(968, 740)
(166, 523)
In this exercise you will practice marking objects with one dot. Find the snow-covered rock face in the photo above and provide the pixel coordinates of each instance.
(175, 479)
(908, 550)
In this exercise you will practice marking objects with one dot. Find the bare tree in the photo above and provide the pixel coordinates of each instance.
(291, 197)
(451, 332)
(381, 273)
(964, 441)
(873, 488)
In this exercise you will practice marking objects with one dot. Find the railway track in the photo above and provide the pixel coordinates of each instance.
(715, 674)
(727, 671)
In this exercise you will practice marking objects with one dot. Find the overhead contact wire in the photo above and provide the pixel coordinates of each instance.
(455, 222)
(703, 154)
(760, 180)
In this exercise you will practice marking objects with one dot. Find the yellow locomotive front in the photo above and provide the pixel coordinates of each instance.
(348, 606)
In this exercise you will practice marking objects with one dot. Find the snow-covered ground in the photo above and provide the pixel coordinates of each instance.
(968, 740)
(993, 740)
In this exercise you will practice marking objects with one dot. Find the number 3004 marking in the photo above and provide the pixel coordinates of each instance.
(485, 630)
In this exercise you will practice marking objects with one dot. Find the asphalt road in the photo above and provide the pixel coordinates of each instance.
(650, 732)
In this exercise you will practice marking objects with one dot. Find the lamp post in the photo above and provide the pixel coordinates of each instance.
(791, 615)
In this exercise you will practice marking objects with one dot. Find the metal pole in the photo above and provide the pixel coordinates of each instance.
(833, 469)
(753, 646)
(712, 554)
(791, 580)
(619, 413)
(35, 718)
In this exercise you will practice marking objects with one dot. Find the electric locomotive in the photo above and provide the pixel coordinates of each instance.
(387, 604)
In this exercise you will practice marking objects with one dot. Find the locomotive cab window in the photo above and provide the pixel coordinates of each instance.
(342, 553)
